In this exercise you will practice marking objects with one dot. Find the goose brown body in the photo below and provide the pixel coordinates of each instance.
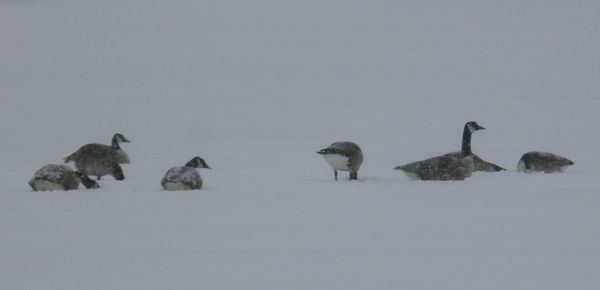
(99, 159)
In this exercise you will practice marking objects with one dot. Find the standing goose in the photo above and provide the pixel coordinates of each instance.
(99, 159)
(59, 177)
(543, 161)
(451, 166)
(184, 177)
(343, 156)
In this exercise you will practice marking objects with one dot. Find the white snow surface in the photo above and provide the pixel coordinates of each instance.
(255, 88)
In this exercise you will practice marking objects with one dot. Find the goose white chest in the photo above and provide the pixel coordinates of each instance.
(337, 162)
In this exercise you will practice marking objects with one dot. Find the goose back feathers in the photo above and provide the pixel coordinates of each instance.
(543, 161)
(440, 168)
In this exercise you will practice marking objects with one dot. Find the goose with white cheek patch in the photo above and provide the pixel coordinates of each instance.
(59, 177)
(543, 161)
(99, 159)
(184, 177)
(343, 156)
(451, 166)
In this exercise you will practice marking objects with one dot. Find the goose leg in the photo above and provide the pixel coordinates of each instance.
(335, 173)
(353, 175)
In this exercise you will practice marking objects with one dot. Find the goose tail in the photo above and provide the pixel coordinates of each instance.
(498, 168)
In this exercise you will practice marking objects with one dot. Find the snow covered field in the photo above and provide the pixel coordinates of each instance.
(256, 88)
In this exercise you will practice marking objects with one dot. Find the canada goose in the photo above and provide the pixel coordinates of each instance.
(451, 166)
(543, 161)
(184, 177)
(343, 156)
(99, 159)
(479, 164)
(59, 177)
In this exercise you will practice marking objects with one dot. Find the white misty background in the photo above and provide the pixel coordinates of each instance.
(255, 88)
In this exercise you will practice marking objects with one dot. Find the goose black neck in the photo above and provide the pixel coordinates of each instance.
(115, 143)
(466, 142)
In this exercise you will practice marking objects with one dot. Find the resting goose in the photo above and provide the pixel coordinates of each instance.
(184, 177)
(451, 166)
(99, 159)
(479, 164)
(59, 177)
(343, 156)
(543, 161)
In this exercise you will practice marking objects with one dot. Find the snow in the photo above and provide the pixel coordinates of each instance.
(255, 88)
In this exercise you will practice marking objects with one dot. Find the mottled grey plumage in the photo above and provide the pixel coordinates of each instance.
(184, 177)
(479, 164)
(59, 177)
(451, 166)
(543, 161)
(440, 168)
(343, 156)
(99, 159)
(117, 172)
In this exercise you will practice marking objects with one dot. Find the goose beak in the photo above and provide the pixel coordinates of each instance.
(478, 127)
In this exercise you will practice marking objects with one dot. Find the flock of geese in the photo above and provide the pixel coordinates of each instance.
(347, 156)
(100, 160)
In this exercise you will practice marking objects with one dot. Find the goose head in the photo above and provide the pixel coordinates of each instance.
(119, 138)
(472, 126)
(325, 151)
(197, 162)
